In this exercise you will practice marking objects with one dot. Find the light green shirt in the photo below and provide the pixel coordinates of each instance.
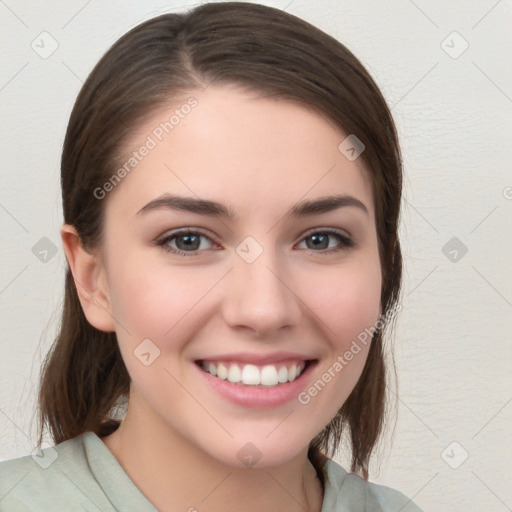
(81, 474)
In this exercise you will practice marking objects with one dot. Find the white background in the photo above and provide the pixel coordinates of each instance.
(453, 345)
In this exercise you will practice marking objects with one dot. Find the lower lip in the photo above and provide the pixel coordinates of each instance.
(249, 396)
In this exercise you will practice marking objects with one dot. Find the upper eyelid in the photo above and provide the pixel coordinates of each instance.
(338, 231)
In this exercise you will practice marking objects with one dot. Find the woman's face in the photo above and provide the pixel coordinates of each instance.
(264, 281)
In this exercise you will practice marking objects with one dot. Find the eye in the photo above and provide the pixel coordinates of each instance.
(187, 242)
(184, 242)
(319, 241)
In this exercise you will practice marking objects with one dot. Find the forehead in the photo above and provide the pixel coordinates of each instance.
(234, 146)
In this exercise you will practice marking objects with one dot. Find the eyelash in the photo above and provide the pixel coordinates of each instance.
(345, 243)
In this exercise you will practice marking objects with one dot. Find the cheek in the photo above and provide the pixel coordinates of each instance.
(348, 309)
(135, 296)
(154, 304)
(348, 302)
(159, 302)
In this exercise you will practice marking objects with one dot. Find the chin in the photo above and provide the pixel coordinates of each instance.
(258, 453)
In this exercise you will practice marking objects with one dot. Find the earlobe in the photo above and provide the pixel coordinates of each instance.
(90, 280)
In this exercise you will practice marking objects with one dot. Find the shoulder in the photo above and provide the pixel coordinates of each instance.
(54, 478)
(344, 491)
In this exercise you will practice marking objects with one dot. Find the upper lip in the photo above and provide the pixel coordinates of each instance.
(258, 359)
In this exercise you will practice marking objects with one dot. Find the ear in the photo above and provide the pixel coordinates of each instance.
(90, 280)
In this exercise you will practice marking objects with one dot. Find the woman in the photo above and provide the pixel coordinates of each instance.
(231, 183)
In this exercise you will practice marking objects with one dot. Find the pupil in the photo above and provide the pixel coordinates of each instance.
(190, 241)
(317, 238)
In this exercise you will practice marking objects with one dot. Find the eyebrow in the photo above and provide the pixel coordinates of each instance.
(215, 209)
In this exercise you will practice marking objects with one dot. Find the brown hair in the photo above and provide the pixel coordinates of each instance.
(262, 49)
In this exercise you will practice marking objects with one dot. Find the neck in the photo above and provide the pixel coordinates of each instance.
(176, 475)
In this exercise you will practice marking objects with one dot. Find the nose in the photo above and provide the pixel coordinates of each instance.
(260, 296)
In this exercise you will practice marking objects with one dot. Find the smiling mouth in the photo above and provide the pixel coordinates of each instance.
(263, 376)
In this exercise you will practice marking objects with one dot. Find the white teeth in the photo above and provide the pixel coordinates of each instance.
(234, 374)
(292, 373)
(269, 375)
(252, 375)
(222, 371)
(282, 374)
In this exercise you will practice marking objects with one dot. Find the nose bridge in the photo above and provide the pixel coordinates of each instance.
(259, 296)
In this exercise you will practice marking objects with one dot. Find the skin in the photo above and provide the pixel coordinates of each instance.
(179, 440)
